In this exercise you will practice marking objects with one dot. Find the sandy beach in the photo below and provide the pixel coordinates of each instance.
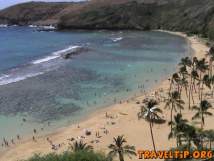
(121, 120)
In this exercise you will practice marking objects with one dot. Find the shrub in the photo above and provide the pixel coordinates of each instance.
(71, 156)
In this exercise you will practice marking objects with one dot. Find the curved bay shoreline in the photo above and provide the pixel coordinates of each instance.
(123, 120)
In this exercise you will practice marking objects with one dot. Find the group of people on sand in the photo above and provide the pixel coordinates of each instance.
(87, 134)
(158, 95)
(7, 143)
(54, 146)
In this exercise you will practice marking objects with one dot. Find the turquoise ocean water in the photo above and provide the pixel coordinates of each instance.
(49, 92)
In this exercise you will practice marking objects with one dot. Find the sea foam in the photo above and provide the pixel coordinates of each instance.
(117, 39)
(3, 25)
(7, 79)
(56, 54)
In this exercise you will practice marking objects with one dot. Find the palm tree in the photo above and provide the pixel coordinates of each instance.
(200, 138)
(209, 134)
(185, 62)
(202, 67)
(80, 146)
(178, 126)
(194, 72)
(119, 148)
(207, 82)
(193, 77)
(191, 66)
(202, 111)
(184, 84)
(174, 79)
(174, 102)
(151, 113)
(211, 59)
(182, 81)
(189, 135)
(212, 84)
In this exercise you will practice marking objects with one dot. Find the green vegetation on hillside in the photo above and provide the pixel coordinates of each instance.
(190, 16)
(82, 152)
(71, 156)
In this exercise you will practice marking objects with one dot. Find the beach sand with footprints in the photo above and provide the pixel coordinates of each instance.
(119, 119)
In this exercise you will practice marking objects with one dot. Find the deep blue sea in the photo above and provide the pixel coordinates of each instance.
(39, 89)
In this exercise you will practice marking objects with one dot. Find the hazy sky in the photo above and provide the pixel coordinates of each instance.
(6, 3)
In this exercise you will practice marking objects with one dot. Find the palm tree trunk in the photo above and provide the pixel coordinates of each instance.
(153, 142)
(121, 156)
(209, 71)
(202, 90)
(194, 85)
(190, 90)
(181, 88)
(171, 114)
(189, 144)
(199, 86)
(193, 102)
(186, 92)
(199, 92)
(202, 142)
(170, 87)
(212, 91)
(177, 141)
(178, 88)
(202, 118)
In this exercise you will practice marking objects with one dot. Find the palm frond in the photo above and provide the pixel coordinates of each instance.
(196, 116)
(208, 113)
(119, 148)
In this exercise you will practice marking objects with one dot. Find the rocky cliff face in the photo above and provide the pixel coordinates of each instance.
(192, 16)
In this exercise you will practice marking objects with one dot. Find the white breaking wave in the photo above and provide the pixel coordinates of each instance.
(42, 27)
(4, 76)
(35, 69)
(3, 25)
(32, 26)
(56, 54)
(45, 59)
(49, 27)
(7, 79)
(69, 49)
(117, 39)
